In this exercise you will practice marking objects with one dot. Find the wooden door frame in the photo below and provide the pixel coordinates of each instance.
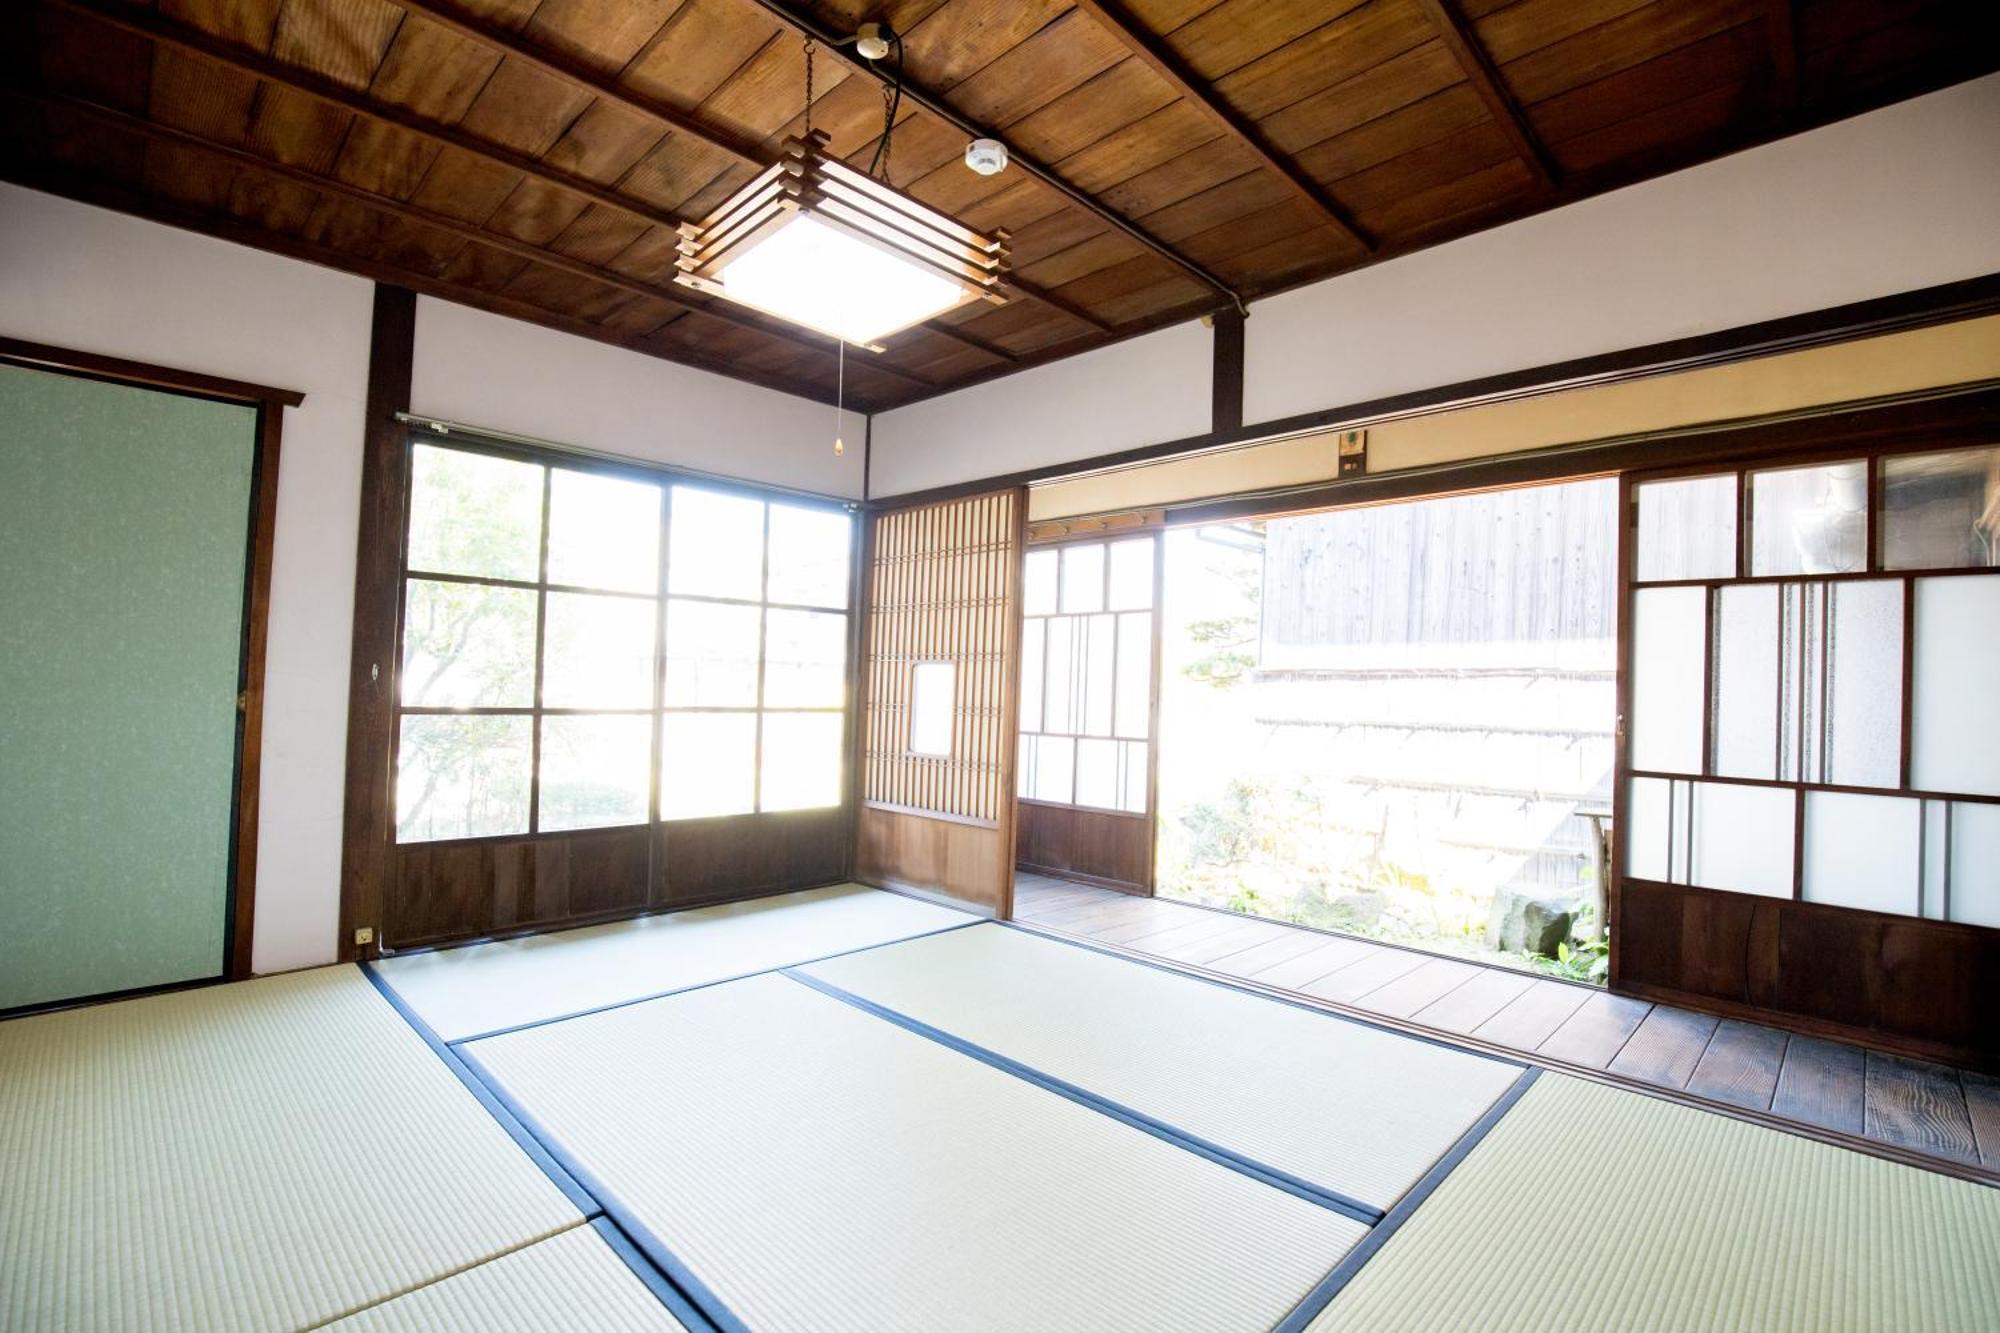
(1062, 535)
(240, 902)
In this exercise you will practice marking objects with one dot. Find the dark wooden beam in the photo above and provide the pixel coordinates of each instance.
(1459, 39)
(369, 822)
(916, 94)
(1163, 61)
(465, 231)
(1226, 393)
(1780, 25)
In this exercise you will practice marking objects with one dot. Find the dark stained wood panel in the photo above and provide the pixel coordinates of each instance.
(1198, 152)
(1115, 850)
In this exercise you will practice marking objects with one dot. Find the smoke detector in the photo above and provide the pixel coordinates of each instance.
(988, 157)
(871, 41)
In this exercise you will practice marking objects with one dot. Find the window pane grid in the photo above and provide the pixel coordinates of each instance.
(535, 711)
(1823, 684)
(1087, 671)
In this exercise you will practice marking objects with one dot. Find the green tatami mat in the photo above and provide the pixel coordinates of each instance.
(1590, 1207)
(264, 1155)
(820, 1169)
(1350, 1108)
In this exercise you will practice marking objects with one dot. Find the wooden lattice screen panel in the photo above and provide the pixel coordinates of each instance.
(943, 588)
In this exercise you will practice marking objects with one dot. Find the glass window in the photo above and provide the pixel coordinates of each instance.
(712, 650)
(708, 765)
(805, 659)
(931, 708)
(467, 645)
(1974, 869)
(715, 545)
(1747, 700)
(1038, 596)
(460, 776)
(597, 652)
(1087, 674)
(576, 657)
(1941, 511)
(1132, 574)
(1083, 578)
(1669, 643)
(1687, 529)
(801, 769)
(604, 532)
(595, 771)
(1809, 520)
(1863, 851)
(810, 557)
(474, 514)
(1742, 838)
(1955, 719)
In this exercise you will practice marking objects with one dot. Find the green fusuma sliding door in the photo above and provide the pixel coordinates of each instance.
(124, 525)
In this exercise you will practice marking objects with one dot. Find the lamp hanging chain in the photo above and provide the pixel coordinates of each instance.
(839, 396)
(809, 87)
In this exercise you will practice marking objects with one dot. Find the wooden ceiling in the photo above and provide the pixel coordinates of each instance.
(1172, 157)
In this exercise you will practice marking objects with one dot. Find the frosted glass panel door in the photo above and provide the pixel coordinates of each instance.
(124, 527)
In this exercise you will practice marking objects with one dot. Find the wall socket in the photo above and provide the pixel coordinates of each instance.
(364, 936)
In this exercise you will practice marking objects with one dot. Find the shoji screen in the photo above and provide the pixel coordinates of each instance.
(940, 697)
(1812, 741)
(124, 528)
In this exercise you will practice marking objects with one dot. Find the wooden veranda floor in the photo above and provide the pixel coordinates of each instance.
(1868, 1099)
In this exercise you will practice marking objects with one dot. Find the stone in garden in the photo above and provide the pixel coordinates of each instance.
(1524, 922)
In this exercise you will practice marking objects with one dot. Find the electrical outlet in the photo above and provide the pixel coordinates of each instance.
(364, 936)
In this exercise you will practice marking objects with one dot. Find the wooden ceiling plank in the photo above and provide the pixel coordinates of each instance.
(1162, 60)
(467, 232)
(578, 75)
(1507, 113)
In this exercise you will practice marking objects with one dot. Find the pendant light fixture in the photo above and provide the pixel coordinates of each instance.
(815, 242)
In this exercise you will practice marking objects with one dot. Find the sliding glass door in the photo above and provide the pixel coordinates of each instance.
(125, 517)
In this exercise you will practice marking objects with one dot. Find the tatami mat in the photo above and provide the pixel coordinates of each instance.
(263, 1155)
(488, 988)
(1587, 1206)
(817, 1168)
(1352, 1109)
(571, 1281)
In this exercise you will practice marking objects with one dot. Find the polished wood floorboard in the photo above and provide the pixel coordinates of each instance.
(1931, 1109)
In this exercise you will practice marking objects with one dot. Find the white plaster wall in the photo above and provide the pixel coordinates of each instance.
(1142, 391)
(1898, 199)
(97, 281)
(487, 370)
(1901, 198)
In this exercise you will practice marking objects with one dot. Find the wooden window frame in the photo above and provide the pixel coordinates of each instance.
(667, 479)
(240, 910)
(1105, 538)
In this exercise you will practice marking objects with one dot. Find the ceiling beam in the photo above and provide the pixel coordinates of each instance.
(1464, 46)
(1163, 61)
(918, 95)
(1780, 24)
(464, 231)
(505, 42)
(197, 42)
